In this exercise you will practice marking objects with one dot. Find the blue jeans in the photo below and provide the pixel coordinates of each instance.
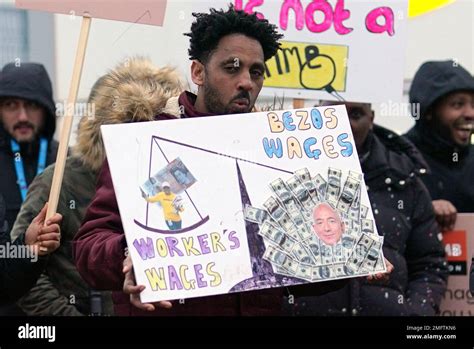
(173, 225)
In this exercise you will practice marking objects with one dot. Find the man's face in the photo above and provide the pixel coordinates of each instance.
(232, 77)
(167, 190)
(453, 117)
(327, 224)
(180, 176)
(361, 118)
(22, 119)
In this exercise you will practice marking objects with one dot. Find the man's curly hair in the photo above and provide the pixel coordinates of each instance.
(209, 28)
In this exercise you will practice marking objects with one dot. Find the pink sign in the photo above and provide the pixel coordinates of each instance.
(150, 12)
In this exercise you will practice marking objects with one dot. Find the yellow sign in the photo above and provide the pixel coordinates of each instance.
(308, 66)
(419, 7)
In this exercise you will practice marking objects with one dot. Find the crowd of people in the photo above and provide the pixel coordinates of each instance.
(81, 250)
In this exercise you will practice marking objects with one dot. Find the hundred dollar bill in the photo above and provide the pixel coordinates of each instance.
(348, 241)
(281, 259)
(280, 189)
(304, 271)
(305, 178)
(315, 273)
(348, 194)
(312, 245)
(367, 240)
(371, 258)
(339, 253)
(339, 269)
(325, 272)
(278, 213)
(357, 176)
(300, 192)
(333, 186)
(301, 253)
(354, 212)
(254, 214)
(281, 270)
(321, 185)
(353, 263)
(367, 226)
(326, 254)
(276, 236)
(290, 203)
(360, 251)
(303, 230)
(355, 231)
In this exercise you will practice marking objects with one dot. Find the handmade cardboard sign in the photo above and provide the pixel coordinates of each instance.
(144, 11)
(250, 201)
(332, 49)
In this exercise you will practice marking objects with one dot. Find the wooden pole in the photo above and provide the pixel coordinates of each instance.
(298, 103)
(68, 118)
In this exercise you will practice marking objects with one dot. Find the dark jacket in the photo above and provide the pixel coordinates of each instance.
(404, 216)
(452, 167)
(17, 275)
(448, 180)
(28, 81)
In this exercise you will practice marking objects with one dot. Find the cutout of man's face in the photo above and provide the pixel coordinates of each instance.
(327, 224)
(180, 176)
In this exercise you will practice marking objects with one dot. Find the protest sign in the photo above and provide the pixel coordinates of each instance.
(332, 49)
(250, 201)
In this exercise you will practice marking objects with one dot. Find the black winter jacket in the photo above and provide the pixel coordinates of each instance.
(452, 168)
(17, 275)
(404, 216)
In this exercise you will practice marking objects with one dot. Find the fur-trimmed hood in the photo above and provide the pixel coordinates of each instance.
(136, 90)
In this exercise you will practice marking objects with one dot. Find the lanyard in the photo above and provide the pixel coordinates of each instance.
(20, 171)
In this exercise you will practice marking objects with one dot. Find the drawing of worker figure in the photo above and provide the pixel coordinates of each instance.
(171, 204)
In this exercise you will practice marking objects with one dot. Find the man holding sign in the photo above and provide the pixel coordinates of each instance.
(228, 50)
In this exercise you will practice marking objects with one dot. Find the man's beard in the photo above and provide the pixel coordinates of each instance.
(213, 103)
(25, 139)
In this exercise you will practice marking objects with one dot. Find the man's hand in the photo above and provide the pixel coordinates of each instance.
(44, 238)
(130, 287)
(445, 214)
(382, 276)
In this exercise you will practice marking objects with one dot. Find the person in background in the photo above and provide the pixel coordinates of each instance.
(444, 92)
(27, 125)
(135, 87)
